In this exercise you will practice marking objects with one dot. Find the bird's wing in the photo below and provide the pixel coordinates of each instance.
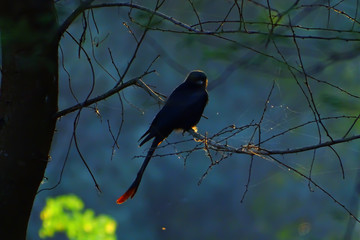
(179, 106)
(184, 105)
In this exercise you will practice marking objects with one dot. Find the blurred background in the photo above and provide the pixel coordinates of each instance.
(242, 61)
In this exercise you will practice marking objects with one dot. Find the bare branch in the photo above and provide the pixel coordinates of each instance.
(255, 150)
(103, 96)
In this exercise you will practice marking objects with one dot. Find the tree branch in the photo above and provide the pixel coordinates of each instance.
(134, 81)
(86, 5)
(255, 150)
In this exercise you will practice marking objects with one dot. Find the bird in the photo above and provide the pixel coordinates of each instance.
(182, 111)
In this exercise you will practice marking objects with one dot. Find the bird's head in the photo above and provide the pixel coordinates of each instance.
(197, 78)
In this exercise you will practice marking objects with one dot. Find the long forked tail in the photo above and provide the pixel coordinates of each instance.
(130, 193)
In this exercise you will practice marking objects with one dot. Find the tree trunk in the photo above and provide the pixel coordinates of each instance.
(28, 102)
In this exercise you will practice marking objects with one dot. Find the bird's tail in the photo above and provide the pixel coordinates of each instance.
(130, 193)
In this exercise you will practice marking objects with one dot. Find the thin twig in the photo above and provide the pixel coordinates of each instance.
(248, 180)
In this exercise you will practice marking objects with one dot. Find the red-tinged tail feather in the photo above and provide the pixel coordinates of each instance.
(129, 194)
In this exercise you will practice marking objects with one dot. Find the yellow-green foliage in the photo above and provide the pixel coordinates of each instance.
(66, 214)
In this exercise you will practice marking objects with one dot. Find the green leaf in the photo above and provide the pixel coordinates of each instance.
(66, 214)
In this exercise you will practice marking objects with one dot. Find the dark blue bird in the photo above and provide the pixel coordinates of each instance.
(182, 110)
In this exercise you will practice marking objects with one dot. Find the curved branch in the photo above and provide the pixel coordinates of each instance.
(86, 5)
(70, 19)
(139, 7)
(134, 81)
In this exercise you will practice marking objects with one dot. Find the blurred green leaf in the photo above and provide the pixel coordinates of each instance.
(66, 214)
